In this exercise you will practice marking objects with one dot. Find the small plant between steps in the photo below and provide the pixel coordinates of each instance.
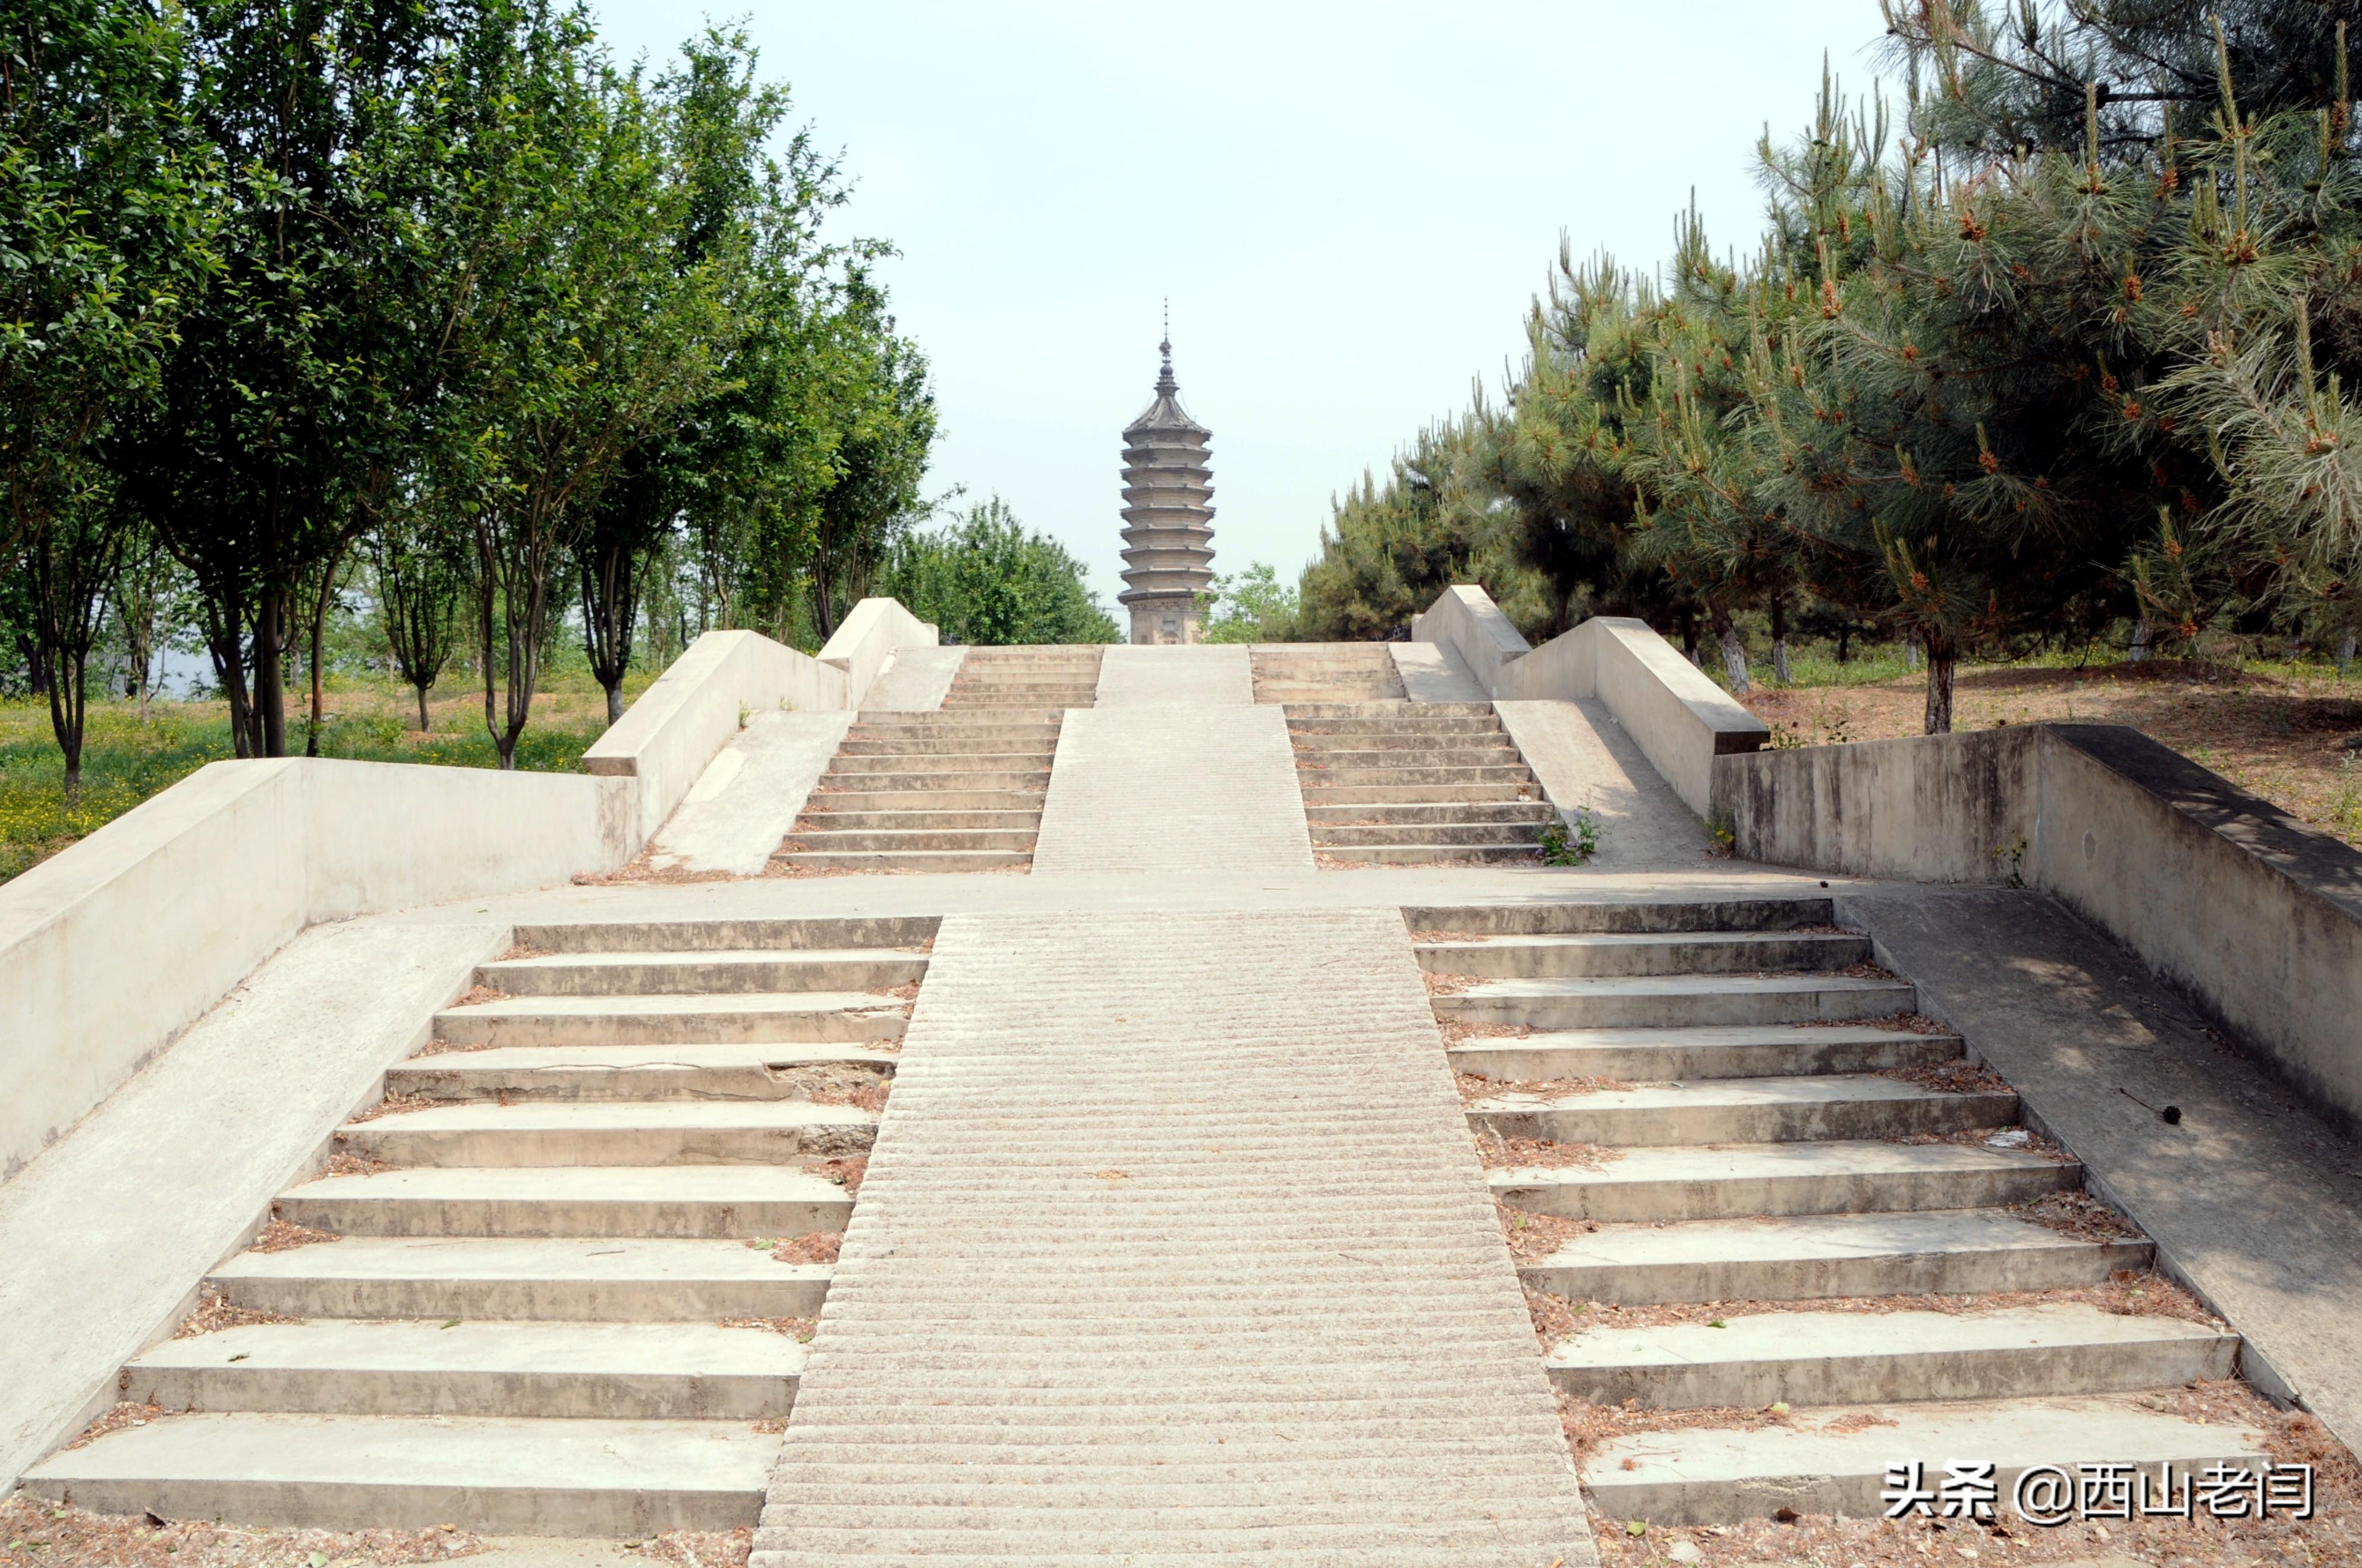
(1571, 843)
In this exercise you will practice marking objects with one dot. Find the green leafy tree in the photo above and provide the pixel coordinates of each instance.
(1251, 606)
(986, 580)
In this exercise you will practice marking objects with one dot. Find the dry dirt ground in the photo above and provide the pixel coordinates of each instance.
(2281, 734)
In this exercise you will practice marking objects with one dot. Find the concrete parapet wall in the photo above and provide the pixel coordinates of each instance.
(2255, 917)
(680, 724)
(113, 946)
(1680, 720)
(874, 633)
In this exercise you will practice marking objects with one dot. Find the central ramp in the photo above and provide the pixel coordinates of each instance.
(1174, 1245)
(1177, 769)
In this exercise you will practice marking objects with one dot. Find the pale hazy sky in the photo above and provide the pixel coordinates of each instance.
(1349, 205)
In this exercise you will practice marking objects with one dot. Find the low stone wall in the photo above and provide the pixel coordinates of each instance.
(2252, 915)
(1681, 720)
(112, 947)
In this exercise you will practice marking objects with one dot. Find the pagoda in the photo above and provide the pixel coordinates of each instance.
(1169, 518)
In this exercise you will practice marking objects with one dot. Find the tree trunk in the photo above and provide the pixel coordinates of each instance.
(1910, 650)
(2139, 651)
(1941, 657)
(1734, 652)
(2346, 654)
(424, 725)
(1780, 638)
(615, 703)
(1845, 645)
(319, 628)
(269, 673)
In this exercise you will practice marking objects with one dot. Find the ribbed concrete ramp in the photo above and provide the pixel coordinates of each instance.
(1173, 1246)
(1148, 789)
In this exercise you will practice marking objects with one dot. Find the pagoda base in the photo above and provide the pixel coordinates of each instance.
(1163, 619)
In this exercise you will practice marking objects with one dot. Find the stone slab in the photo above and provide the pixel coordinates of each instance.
(749, 795)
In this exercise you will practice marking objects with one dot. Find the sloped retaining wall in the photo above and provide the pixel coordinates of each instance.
(2252, 915)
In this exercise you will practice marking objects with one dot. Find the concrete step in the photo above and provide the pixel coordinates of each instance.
(918, 860)
(1028, 821)
(641, 1371)
(1383, 815)
(907, 931)
(1718, 915)
(1828, 1461)
(745, 1070)
(611, 1132)
(1830, 1358)
(1404, 726)
(1296, 711)
(1331, 834)
(497, 1476)
(1964, 1251)
(864, 767)
(1684, 1182)
(651, 1020)
(1742, 1110)
(835, 785)
(972, 740)
(1643, 953)
(1715, 1051)
(832, 803)
(728, 1202)
(1445, 778)
(827, 839)
(1678, 1001)
(733, 972)
(1405, 753)
(1447, 797)
(1424, 854)
(935, 722)
(583, 1279)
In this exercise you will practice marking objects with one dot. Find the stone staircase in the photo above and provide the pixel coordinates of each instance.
(1044, 678)
(1411, 783)
(941, 792)
(536, 1291)
(1708, 1113)
(1326, 672)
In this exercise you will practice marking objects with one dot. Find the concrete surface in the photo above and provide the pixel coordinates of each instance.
(1187, 677)
(914, 680)
(2251, 1199)
(1137, 789)
(1156, 1345)
(749, 795)
(416, 1471)
(1434, 672)
(1852, 1358)
(1584, 758)
(107, 1232)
